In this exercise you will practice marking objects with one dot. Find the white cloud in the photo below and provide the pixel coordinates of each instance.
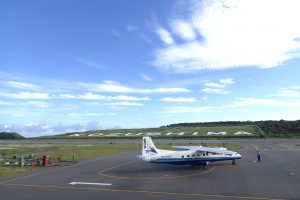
(222, 83)
(204, 98)
(27, 129)
(108, 86)
(88, 63)
(85, 96)
(94, 114)
(8, 76)
(131, 28)
(116, 33)
(5, 103)
(262, 103)
(124, 103)
(218, 87)
(146, 77)
(93, 125)
(146, 38)
(231, 34)
(215, 91)
(26, 103)
(43, 128)
(129, 98)
(226, 81)
(67, 96)
(166, 90)
(245, 103)
(184, 30)
(20, 85)
(215, 85)
(26, 95)
(179, 99)
(117, 107)
(115, 87)
(164, 35)
(92, 96)
(288, 93)
(186, 109)
(35, 103)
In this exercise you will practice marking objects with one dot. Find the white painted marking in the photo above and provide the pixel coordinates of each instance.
(86, 183)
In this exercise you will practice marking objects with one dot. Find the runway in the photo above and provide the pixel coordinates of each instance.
(121, 176)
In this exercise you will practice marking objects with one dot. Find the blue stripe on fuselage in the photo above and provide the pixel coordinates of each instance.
(194, 161)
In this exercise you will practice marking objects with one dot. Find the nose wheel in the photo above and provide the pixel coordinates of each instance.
(233, 162)
(204, 166)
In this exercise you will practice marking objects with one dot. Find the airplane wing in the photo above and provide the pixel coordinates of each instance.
(186, 147)
(205, 149)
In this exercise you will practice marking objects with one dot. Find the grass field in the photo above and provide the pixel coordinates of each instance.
(65, 152)
(81, 152)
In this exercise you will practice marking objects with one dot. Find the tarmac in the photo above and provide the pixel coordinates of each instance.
(122, 176)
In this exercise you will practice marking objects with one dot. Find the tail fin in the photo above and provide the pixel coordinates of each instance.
(148, 147)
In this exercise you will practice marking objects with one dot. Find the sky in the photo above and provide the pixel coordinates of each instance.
(76, 65)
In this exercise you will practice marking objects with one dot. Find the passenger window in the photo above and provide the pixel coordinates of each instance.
(188, 156)
(193, 155)
(197, 155)
(204, 154)
(182, 156)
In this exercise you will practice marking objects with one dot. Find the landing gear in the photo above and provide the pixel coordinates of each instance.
(205, 164)
(233, 162)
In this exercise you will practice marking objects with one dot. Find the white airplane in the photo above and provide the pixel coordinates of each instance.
(193, 155)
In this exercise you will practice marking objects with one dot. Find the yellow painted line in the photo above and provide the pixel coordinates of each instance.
(157, 178)
(49, 171)
(256, 147)
(286, 147)
(102, 173)
(272, 148)
(267, 150)
(118, 165)
(141, 191)
(290, 148)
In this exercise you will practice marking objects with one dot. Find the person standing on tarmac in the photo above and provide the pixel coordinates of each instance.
(258, 156)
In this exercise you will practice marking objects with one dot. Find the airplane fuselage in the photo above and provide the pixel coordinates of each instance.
(195, 155)
(189, 157)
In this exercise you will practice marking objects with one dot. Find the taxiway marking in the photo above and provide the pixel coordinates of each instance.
(50, 171)
(103, 173)
(87, 183)
(141, 191)
(256, 147)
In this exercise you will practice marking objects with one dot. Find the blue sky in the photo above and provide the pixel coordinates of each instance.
(81, 65)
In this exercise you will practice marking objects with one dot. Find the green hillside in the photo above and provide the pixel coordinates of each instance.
(168, 132)
(256, 129)
(10, 135)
